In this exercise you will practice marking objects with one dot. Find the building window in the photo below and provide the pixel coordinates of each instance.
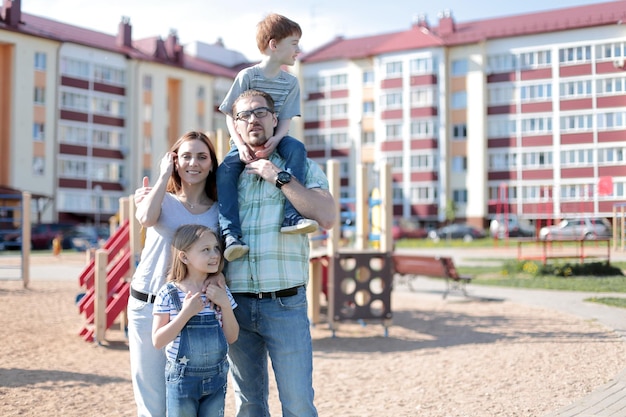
(40, 61)
(422, 97)
(609, 86)
(535, 59)
(459, 131)
(392, 100)
(500, 128)
(368, 77)
(393, 131)
(38, 132)
(459, 196)
(339, 110)
(502, 161)
(393, 69)
(40, 95)
(500, 94)
(459, 100)
(422, 162)
(422, 66)
(576, 123)
(422, 129)
(200, 93)
(39, 165)
(368, 138)
(537, 125)
(368, 107)
(537, 159)
(577, 157)
(536, 92)
(501, 63)
(612, 120)
(459, 164)
(338, 82)
(147, 83)
(460, 67)
(395, 161)
(575, 55)
(573, 89)
(611, 50)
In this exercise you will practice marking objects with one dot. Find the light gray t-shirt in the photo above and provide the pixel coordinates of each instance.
(283, 88)
(155, 258)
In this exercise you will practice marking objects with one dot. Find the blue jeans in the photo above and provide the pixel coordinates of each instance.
(196, 381)
(146, 362)
(278, 327)
(228, 172)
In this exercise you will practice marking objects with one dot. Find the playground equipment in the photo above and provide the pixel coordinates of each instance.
(16, 212)
(359, 280)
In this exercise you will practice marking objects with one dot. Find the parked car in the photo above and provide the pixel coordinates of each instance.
(85, 237)
(407, 228)
(41, 236)
(578, 228)
(513, 225)
(457, 231)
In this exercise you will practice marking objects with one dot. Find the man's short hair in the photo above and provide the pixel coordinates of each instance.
(253, 93)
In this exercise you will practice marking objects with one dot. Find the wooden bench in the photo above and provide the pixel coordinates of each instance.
(410, 267)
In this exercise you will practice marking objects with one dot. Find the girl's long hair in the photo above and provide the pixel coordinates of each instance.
(184, 237)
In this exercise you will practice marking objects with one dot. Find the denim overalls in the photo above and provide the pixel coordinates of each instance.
(196, 382)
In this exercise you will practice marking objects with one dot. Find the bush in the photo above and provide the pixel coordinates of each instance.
(536, 269)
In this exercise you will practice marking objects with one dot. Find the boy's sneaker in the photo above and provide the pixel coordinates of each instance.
(298, 224)
(234, 248)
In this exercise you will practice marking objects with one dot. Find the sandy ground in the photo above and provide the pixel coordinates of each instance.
(454, 357)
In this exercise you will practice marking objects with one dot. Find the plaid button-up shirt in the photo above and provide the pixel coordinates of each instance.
(276, 260)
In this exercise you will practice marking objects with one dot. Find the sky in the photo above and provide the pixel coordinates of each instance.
(234, 21)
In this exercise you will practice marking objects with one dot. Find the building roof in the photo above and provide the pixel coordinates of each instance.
(143, 49)
(450, 33)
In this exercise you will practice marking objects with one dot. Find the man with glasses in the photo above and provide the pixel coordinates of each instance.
(269, 282)
(278, 40)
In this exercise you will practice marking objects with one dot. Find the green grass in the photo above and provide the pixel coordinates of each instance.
(494, 276)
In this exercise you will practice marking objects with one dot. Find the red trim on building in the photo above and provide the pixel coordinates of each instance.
(536, 74)
(545, 106)
(428, 79)
(339, 94)
(74, 82)
(501, 175)
(391, 114)
(391, 83)
(339, 123)
(108, 120)
(390, 146)
(612, 101)
(612, 171)
(111, 89)
(578, 172)
(417, 144)
(501, 77)
(537, 174)
(576, 104)
(575, 70)
(612, 136)
(421, 176)
(501, 142)
(541, 140)
(423, 112)
(74, 116)
(503, 109)
(576, 138)
(65, 149)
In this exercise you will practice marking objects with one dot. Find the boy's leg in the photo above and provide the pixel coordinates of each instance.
(227, 177)
(294, 154)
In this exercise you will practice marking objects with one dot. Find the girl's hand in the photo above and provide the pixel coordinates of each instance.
(193, 303)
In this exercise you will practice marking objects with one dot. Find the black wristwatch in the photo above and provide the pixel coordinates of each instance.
(282, 178)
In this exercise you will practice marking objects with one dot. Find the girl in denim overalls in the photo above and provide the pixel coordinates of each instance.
(195, 328)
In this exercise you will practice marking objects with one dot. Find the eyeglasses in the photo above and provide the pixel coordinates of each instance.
(259, 113)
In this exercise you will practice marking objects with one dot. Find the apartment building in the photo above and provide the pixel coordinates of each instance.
(85, 115)
(522, 114)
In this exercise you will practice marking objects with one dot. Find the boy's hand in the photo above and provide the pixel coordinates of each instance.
(268, 148)
(245, 154)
